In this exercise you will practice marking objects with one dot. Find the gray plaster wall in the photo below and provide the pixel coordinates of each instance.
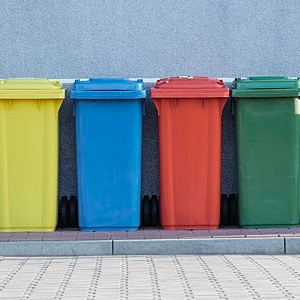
(147, 38)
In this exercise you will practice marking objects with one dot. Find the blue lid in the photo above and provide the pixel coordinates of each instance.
(108, 88)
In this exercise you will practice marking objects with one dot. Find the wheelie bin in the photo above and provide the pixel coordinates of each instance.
(267, 136)
(29, 154)
(189, 113)
(109, 134)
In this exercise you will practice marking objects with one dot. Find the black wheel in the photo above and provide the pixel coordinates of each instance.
(146, 209)
(63, 213)
(73, 212)
(233, 209)
(224, 210)
(154, 211)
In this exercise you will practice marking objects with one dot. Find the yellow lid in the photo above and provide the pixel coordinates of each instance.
(31, 88)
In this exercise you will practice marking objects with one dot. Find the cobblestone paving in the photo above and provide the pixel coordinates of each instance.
(151, 277)
(71, 234)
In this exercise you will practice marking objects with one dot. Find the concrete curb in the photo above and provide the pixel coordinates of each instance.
(56, 248)
(262, 246)
(292, 245)
(270, 246)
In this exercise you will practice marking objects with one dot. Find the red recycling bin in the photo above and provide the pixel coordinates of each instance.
(190, 113)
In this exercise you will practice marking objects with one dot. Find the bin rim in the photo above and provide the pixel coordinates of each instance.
(108, 95)
(108, 89)
(30, 88)
(108, 84)
(189, 87)
(266, 87)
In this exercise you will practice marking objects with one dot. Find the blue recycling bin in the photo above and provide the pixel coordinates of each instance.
(108, 113)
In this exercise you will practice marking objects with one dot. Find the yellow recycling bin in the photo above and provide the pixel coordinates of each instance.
(29, 154)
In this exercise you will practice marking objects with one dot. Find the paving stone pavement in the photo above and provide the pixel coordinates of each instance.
(72, 234)
(150, 277)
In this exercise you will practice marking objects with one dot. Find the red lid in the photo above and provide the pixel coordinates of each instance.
(189, 87)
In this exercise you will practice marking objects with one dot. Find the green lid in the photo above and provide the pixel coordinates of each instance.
(266, 86)
(37, 88)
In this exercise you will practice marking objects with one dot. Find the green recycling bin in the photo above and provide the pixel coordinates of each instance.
(267, 132)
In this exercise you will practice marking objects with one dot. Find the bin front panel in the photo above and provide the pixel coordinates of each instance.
(190, 162)
(109, 134)
(28, 164)
(267, 142)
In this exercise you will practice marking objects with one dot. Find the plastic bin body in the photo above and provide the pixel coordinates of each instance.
(29, 154)
(190, 111)
(109, 137)
(267, 150)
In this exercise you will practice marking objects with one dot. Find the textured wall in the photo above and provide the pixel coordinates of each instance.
(147, 38)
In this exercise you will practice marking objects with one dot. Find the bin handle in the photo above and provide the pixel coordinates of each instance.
(58, 105)
(297, 106)
(157, 105)
(222, 104)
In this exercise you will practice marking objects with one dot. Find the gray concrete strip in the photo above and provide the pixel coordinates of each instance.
(56, 248)
(292, 245)
(269, 246)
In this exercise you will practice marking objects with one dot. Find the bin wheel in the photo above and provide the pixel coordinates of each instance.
(73, 212)
(154, 211)
(146, 211)
(63, 215)
(233, 209)
(224, 210)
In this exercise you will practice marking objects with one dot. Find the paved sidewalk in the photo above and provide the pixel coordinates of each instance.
(144, 234)
(151, 277)
(152, 242)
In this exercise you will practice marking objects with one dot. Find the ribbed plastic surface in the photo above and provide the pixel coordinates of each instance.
(190, 111)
